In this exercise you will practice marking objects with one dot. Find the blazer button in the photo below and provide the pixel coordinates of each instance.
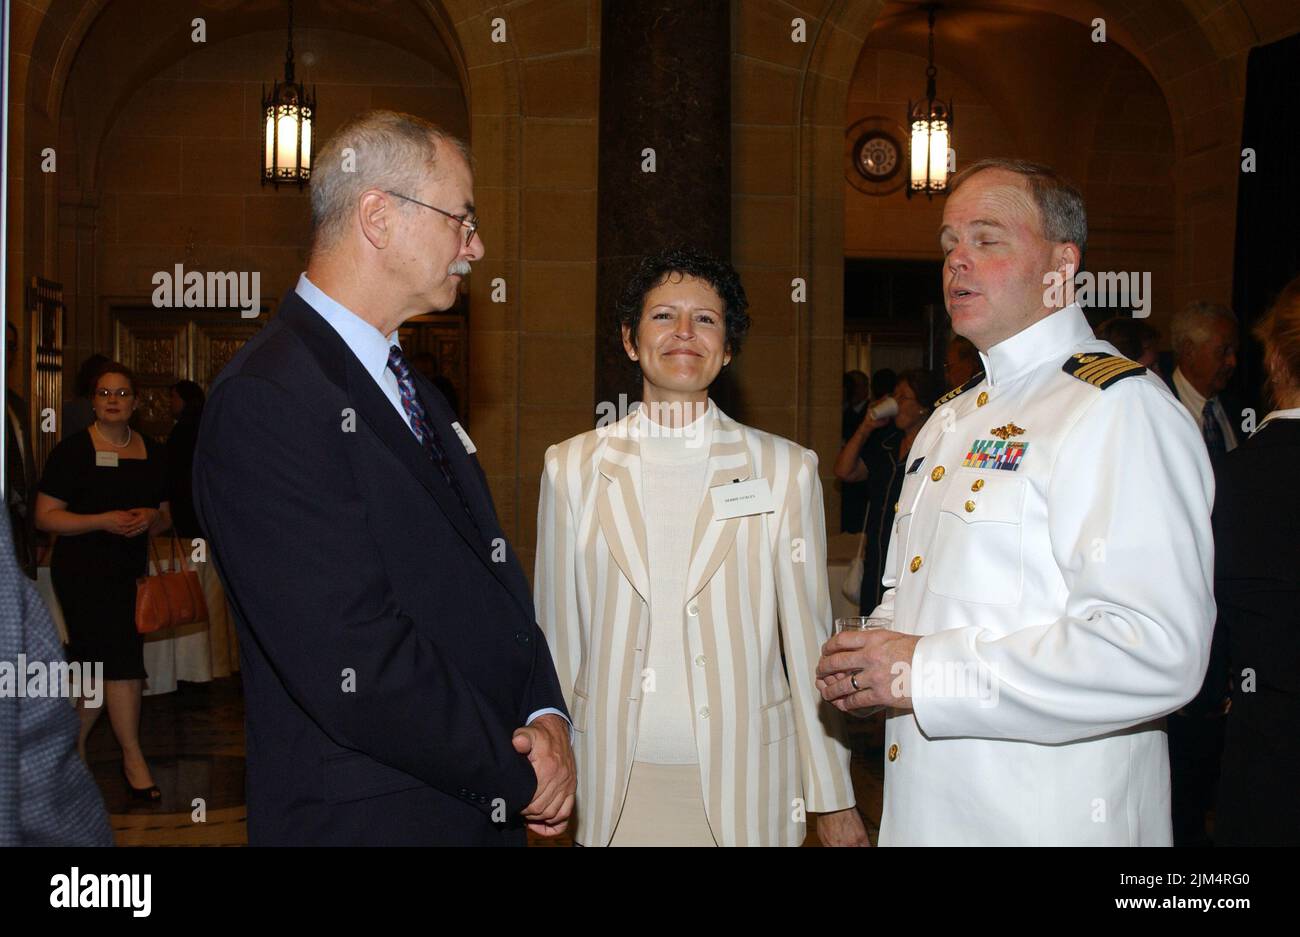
(523, 637)
(704, 712)
(982, 399)
(692, 610)
(970, 506)
(915, 564)
(893, 752)
(700, 660)
(977, 484)
(937, 473)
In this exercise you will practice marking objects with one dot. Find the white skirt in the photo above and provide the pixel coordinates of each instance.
(664, 807)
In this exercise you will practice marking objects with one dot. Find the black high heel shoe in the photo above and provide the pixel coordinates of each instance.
(147, 794)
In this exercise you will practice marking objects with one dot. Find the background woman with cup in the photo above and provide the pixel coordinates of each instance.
(877, 453)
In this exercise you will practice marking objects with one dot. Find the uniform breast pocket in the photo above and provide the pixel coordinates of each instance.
(902, 509)
(977, 543)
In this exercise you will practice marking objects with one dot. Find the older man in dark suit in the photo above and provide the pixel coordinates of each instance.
(398, 688)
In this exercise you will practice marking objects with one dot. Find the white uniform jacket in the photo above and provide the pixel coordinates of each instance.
(769, 750)
(1053, 546)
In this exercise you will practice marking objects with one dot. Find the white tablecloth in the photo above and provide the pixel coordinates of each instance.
(184, 653)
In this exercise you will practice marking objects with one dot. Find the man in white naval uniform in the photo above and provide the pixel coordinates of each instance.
(1049, 578)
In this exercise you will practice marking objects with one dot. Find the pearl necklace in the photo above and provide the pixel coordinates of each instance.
(95, 425)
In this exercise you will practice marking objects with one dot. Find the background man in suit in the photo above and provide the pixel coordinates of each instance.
(961, 362)
(1204, 336)
(398, 688)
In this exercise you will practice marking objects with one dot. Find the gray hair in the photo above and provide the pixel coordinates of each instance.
(1191, 325)
(376, 149)
(1060, 204)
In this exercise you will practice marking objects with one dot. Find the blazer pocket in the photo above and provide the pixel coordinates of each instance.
(578, 711)
(355, 776)
(776, 721)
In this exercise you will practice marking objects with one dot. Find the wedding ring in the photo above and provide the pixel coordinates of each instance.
(853, 679)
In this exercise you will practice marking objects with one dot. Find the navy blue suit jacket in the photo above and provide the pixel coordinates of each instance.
(389, 648)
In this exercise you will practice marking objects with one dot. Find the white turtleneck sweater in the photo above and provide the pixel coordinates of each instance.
(673, 467)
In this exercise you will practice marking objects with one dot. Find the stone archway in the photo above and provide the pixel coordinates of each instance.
(1197, 57)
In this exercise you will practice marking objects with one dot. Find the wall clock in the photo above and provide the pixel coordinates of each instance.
(875, 157)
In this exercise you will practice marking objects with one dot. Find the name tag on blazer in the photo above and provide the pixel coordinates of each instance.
(741, 499)
(464, 438)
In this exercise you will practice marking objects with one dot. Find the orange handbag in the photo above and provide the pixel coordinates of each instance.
(168, 599)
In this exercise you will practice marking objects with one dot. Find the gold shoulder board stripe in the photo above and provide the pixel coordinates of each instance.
(1101, 370)
(957, 391)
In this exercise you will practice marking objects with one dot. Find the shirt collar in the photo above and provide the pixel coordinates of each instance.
(1192, 398)
(1047, 338)
(366, 341)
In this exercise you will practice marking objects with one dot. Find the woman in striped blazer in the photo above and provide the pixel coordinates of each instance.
(680, 554)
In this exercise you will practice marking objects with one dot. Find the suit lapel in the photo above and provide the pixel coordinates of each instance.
(469, 473)
(620, 504)
(728, 461)
(343, 368)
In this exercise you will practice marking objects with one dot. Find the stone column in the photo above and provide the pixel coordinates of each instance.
(665, 85)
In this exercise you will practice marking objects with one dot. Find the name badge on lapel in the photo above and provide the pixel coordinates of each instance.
(740, 499)
(464, 438)
(105, 459)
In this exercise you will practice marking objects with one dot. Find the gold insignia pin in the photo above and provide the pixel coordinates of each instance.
(1006, 432)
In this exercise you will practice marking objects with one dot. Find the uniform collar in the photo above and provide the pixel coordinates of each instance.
(1047, 338)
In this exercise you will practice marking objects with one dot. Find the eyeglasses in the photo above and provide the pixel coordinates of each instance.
(469, 224)
(103, 393)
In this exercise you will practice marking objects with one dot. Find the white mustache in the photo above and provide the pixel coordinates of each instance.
(459, 268)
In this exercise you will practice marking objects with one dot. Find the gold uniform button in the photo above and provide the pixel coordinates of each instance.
(970, 506)
(982, 399)
(916, 563)
(893, 752)
(895, 507)
(979, 483)
(936, 474)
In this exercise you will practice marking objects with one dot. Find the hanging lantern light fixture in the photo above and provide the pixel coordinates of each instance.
(288, 113)
(931, 123)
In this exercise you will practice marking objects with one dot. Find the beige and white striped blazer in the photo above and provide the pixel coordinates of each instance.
(769, 750)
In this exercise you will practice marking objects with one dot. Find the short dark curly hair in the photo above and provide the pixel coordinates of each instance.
(655, 268)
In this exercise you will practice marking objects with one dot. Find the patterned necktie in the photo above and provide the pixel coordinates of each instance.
(424, 429)
(1211, 430)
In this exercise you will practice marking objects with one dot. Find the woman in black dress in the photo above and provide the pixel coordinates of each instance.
(877, 453)
(104, 493)
(1257, 589)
